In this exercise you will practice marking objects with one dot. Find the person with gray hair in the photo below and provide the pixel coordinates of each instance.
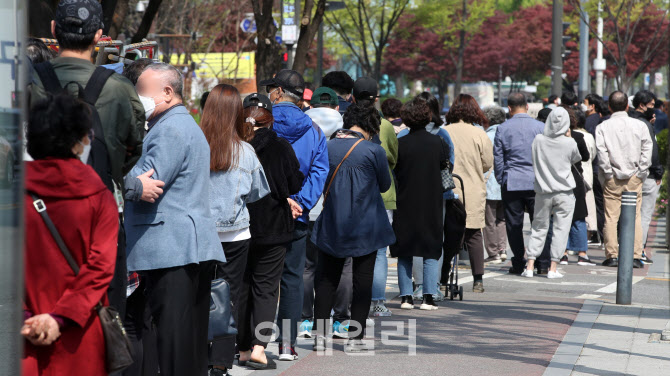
(172, 239)
(495, 233)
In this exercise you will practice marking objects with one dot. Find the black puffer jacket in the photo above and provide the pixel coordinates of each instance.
(656, 168)
(271, 221)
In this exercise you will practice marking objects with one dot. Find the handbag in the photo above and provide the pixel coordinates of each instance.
(221, 321)
(447, 179)
(332, 177)
(118, 355)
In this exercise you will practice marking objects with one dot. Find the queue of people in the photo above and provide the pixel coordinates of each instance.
(296, 207)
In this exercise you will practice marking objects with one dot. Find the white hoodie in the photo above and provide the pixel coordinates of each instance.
(329, 121)
(553, 155)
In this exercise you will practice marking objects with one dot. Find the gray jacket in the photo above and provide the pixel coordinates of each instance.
(230, 191)
(554, 153)
(624, 148)
(178, 228)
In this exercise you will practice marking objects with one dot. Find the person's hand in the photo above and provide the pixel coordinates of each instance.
(151, 188)
(658, 182)
(296, 209)
(41, 330)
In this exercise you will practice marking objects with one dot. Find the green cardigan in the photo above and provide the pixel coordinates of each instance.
(390, 144)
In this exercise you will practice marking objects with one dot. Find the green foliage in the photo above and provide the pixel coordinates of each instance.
(662, 140)
(662, 201)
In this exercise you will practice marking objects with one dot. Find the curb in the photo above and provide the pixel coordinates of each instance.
(665, 334)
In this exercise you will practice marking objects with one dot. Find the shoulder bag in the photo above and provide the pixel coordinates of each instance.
(221, 321)
(117, 346)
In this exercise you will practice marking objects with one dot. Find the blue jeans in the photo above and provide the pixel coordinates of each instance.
(430, 275)
(578, 239)
(381, 272)
(291, 288)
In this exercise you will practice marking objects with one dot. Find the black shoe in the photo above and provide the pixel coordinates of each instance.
(637, 264)
(478, 286)
(646, 259)
(258, 365)
(428, 303)
(513, 270)
(217, 372)
(564, 260)
(584, 261)
(542, 271)
(407, 302)
(612, 262)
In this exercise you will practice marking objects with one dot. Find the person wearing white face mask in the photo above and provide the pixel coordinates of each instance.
(173, 242)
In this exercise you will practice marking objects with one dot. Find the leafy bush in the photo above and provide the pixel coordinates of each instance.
(662, 140)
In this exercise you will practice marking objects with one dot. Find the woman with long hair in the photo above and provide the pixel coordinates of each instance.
(236, 179)
(272, 225)
(474, 157)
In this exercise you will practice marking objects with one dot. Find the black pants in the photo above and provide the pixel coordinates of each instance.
(257, 303)
(141, 334)
(341, 308)
(117, 287)
(600, 205)
(179, 301)
(474, 243)
(222, 351)
(516, 203)
(328, 273)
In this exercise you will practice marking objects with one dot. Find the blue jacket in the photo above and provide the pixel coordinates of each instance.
(230, 191)
(354, 221)
(310, 148)
(492, 186)
(178, 228)
(432, 129)
(512, 152)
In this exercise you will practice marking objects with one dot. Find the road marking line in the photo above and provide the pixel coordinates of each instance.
(470, 278)
(611, 288)
(587, 296)
(658, 279)
(543, 281)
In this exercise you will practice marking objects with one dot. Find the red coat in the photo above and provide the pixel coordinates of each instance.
(85, 213)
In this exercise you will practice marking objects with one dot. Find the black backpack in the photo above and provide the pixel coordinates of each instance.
(99, 156)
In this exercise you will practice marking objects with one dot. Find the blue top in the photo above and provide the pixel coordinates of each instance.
(492, 186)
(230, 191)
(661, 122)
(343, 104)
(512, 152)
(310, 148)
(353, 221)
(432, 129)
(178, 228)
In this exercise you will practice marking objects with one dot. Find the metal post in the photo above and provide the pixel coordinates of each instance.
(624, 285)
(318, 74)
(584, 79)
(556, 46)
(500, 78)
(289, 53)
(599, 63)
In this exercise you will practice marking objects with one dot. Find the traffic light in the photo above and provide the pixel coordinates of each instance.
(566, 38)
(284, 61)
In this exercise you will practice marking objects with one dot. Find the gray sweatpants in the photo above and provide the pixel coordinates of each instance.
(649, 196)
(561, 205)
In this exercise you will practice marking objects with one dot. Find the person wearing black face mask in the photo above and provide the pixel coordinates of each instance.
(643, 102)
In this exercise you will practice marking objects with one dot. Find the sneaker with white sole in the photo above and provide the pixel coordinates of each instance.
(493, 260)
(585, 261)
(527, 273)
(305, 330)
(564, 260)
(503, 256)
(355, 346)
(287, 353)
(554, 275)
(380, 310)
(428, 303)
(320, 344)
(407, 302)
(418, 293)
(340, 330)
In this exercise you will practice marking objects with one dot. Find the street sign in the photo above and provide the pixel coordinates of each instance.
(248, 25)
(278, 39)
(289, 33)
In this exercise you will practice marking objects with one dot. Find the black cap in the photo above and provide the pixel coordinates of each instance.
(288, 80)
(257, 100)
(79, 16)
(365, 88)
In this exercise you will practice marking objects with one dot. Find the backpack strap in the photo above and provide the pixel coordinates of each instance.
(95, 84)
(48, 77)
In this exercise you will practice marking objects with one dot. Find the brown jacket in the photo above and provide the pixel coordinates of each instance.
(474, 157)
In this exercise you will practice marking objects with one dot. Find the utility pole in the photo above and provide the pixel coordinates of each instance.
(599, 64)
(584, 79)
(556, 47)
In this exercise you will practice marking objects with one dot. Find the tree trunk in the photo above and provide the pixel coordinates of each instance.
(442, 87)
(147, 21)
(377, 73)
(268, 51)
(122, 7)
(40, 16)
(108, 9)
(461, 52)
(308, 29)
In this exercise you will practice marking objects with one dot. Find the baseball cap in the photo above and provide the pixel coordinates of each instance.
(307, 95)
(79, 16)
(257, 100)
(365, 88)
(318, 93)
(288, 80)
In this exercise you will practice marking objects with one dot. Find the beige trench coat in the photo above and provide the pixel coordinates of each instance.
(474, 157)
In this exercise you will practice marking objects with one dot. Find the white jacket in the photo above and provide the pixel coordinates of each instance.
(624, 148)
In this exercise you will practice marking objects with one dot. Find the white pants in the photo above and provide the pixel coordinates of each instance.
(561, 206)
(649, 196)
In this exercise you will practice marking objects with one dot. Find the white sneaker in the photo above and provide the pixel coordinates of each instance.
(527, 273)
(553, 275)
